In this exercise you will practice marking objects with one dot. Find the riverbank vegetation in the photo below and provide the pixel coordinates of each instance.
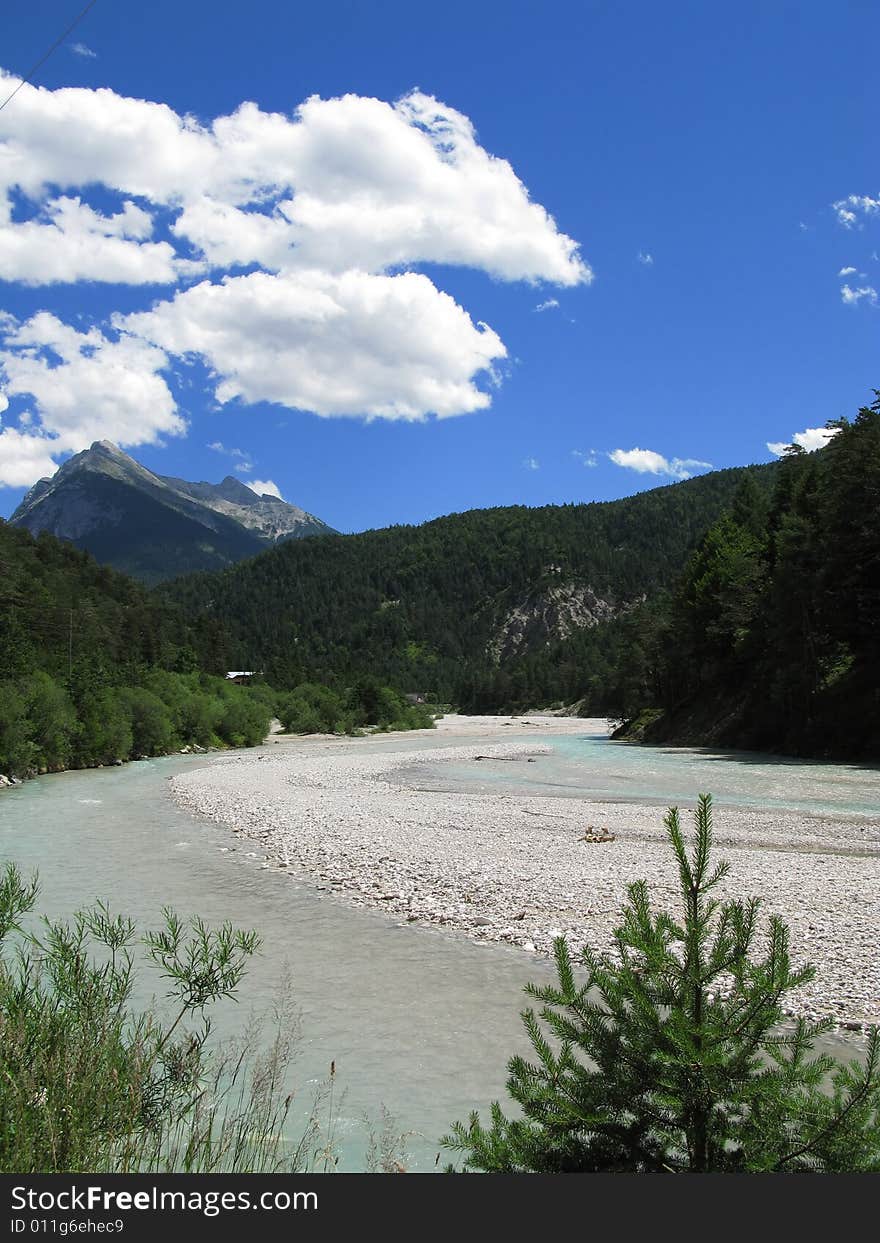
(771, 639)
(47, 727)
(89, 1083)
(96, 670)
(314, 709)
(736, 609)
(740, 608)
(669, 1056)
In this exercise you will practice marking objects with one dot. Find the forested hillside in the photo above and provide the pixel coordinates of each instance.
(95, 669)
(740, 608)
(772, 637)
(488, 609)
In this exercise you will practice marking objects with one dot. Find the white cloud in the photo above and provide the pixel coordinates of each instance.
(846, 272)
(852, 297)
(848, 209)
(264, 487)
(809, 439)
(647, 462)
(814, 437)
(645, 258)
(586, 459)
(550, 305)
(87, 387)
(349, 182)
(377, 184)
(243, 457)
(24, 458)
(72, 242)
(531, 463)
(355, 344)
(331, 201)
(81, 49)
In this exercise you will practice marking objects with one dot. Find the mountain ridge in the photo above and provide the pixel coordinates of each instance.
(157, 526)
(486, 608)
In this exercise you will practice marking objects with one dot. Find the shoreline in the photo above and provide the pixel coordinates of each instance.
(514, 869)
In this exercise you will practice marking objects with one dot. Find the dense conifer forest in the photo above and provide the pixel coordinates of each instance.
(97, 670)
(741, 608)
(419, 607)
(772, 636)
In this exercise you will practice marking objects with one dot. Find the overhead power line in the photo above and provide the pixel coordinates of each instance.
(30, 73)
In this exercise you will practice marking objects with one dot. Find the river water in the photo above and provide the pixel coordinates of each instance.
(418, 1021)
(591, 765)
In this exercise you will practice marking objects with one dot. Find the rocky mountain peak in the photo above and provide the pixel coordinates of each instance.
(156, 526)
(232, 489)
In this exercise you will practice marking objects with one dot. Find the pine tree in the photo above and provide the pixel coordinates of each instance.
(669, 1056)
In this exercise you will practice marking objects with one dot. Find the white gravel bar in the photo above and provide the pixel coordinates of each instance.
(514, 869)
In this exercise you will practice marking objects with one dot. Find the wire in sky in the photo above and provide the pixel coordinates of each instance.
(30, 73)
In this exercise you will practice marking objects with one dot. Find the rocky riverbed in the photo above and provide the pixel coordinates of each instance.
(525, 869)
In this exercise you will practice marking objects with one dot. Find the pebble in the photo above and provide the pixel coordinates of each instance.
(513, 870)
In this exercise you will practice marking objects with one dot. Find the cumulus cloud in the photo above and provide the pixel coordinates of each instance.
(645, 258)
(846, 272)
(647, 462)
(82, 49)
(72, 242)
(849, 209)
(810, 439)
(354, 344)
(329, 203)
(348, 182)
(852, 297)
(531, 463)
(24, 458)
(86, 386)
(586, 459)
(264, 487)
(550, 305)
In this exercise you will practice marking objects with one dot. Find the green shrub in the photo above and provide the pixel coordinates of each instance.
(105, 733)
(151, 724)
(311, 709)
(243, 722)
(88, 1084)
(199, 716)
(52, 720)
(669, 1055)
(16, 732)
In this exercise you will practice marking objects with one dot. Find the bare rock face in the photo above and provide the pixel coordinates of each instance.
(546, 615)
(156, 526)
(268, 516)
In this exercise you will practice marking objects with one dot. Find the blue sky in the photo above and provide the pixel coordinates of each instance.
(716, 165)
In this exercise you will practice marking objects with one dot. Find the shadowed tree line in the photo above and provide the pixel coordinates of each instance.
(771, 638)
(96, 670)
